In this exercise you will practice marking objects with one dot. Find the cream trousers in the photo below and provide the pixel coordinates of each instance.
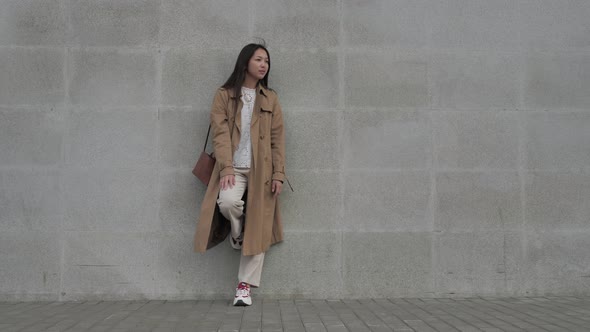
(232, 207)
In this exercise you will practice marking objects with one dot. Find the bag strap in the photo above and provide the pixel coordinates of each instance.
(207, 139)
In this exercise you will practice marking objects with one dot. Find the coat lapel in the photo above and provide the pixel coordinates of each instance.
(238, 114)
(254, 126)
(261, 102)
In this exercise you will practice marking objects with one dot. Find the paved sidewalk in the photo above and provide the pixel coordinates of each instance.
(469, 314)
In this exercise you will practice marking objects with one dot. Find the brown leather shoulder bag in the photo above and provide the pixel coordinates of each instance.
(204, 166)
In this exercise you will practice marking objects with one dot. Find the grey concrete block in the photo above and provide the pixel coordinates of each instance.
(550, 25)
(104, 77)
(110, 200)
(477, 263)
(387, 264)
(31, 137)
(311, 140)
(301, 266)
(557, 141)
(385, 23)
(31, 266)
(180, 198)
(114, 23)
(478, 201)
(31, 76)
(387, 201)
(315, 206)
(191, 77)
(182, 136)
(112, 138)
(557, 201)
(217, 24)
(476, 81)
(183, 274)
(305, 79)
(31, 200)
(557, 263)
(478, 24)
(476, 140)
(403, 84)
(32, 22)
(287, 24)
(387, 139)
(105, 265)
(557, 82)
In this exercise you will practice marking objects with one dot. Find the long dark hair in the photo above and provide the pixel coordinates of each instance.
(238, 76)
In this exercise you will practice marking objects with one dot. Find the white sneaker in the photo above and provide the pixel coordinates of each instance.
(236, 243)
(243, 297)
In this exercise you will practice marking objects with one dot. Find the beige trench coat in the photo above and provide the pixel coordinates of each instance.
(263, 219)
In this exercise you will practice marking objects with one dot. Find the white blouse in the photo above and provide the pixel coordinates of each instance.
(243, 155)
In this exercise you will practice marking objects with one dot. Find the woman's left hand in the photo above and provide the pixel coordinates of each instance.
(276, 187)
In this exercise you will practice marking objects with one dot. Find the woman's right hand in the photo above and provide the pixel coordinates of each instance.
(227, 182)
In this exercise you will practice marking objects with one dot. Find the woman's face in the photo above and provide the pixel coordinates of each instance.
(258, 65)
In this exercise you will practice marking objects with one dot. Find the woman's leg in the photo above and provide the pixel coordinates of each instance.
(249, 275)
(251, 269)
(230, 202)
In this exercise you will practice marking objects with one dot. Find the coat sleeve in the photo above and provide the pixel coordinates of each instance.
(277, 142)
(221, 135)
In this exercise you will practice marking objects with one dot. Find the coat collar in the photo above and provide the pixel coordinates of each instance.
(262, 90)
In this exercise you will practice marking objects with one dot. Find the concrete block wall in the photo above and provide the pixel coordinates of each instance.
(437, 148)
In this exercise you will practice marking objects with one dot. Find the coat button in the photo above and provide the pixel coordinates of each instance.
(261, 136)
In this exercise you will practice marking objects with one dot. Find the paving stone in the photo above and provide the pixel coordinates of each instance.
(337, 329)
(469, 314)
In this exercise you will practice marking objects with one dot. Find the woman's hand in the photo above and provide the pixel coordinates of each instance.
(276, 187)
(227, 182)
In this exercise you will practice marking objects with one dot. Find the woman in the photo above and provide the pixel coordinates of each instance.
(249, 143)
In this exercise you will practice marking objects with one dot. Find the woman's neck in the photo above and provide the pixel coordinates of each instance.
(250, 83)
